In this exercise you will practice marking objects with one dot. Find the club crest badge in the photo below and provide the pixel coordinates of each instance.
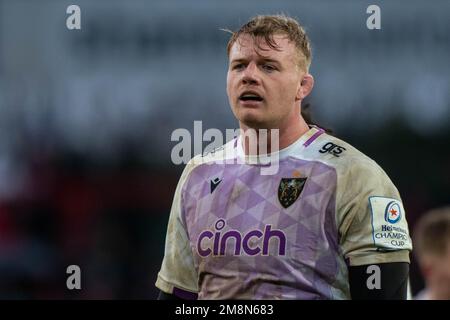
(289, 190)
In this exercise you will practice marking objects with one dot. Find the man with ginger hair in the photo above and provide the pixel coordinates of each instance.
(432, 248)
(328, 224)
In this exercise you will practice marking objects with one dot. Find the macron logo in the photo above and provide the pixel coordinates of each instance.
(214, 183)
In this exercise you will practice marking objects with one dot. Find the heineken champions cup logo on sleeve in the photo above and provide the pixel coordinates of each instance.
(389, 227)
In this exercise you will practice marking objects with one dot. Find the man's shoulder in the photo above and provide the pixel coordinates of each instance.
(356, 172)
(219, 155)
(423, 295)
(341, 155)
(224, 152)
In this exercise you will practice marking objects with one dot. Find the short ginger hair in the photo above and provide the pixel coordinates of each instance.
(266, 26)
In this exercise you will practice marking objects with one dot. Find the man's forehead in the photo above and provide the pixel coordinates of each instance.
(246, 45)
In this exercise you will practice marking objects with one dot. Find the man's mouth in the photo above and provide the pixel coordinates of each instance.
(250, 96)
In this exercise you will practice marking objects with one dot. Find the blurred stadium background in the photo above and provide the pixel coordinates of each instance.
(86, 118)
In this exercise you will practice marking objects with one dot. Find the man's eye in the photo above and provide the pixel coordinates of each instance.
(268, 67)
(238, 66)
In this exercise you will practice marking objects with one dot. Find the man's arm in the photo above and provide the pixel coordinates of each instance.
(374, 234)
(385, 281)
(166, 296)
(178, 268)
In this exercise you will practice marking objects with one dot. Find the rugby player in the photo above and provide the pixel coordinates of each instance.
(329, 224)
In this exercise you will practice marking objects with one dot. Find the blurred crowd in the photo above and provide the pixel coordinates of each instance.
(110, 222)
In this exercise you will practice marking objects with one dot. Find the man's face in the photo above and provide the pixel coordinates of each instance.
(437, 273)
(264, 86)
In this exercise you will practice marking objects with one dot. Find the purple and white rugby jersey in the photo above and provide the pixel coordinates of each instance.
(234, 233)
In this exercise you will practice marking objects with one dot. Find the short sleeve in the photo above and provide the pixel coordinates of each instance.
(178, 271)
(370, 216)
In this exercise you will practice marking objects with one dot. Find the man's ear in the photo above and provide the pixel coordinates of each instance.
(305, 86)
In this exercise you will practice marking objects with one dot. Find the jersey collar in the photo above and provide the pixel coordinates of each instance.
(303, 142)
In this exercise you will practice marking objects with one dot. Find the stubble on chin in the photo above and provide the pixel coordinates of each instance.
(254, 121)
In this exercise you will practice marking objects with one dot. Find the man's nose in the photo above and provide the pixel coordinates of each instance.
(250, 74)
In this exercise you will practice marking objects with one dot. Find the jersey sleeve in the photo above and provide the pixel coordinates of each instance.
(178, 272)
(370, 216)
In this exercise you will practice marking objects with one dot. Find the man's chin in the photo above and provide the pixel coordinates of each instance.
(253, 121)
(253, 118)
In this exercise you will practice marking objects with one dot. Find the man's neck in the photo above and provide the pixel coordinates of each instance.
(288, 133)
